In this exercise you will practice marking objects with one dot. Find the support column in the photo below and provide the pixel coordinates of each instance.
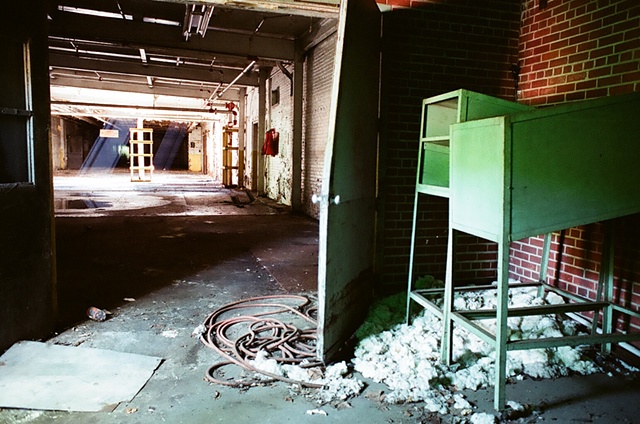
(242, 130)
(296, 167)
(262, 114)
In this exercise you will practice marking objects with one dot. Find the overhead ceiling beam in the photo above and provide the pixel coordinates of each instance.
(139, 87)
(320, 31)
(142, 34)
(311, 8)
(184, 73)
(60, 44)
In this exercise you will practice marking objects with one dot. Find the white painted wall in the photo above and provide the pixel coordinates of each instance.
(317, 99)
(279, 168)
(318, 77)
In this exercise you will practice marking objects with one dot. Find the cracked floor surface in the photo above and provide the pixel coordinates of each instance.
(160, 263)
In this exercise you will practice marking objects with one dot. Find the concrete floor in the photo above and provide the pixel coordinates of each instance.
(179, 248)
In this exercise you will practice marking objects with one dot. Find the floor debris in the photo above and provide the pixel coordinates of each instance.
(275, 338)
(407, 357)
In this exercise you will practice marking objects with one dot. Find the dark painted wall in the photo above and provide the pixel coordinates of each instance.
(430, 49)
(27, 283)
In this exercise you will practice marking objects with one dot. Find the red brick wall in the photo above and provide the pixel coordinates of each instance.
(579, 49)
(429, 49)
(567, 51)
(570, 51)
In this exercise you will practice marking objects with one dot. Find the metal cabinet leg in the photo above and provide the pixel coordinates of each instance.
(447, 323)
(544, 263)
(501, 326)
(412, 250)
(605, 280)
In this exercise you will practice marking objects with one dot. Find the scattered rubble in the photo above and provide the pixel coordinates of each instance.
(407, 357)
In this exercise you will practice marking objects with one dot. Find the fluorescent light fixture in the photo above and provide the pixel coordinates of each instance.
(160, 21)
(166, 60)
(91, 12)
(196, 20)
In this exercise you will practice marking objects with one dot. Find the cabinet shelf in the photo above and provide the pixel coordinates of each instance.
(438, 114)
(432, 190)
(440, 139)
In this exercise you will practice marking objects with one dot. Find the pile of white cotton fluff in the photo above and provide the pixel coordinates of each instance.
(407, 357)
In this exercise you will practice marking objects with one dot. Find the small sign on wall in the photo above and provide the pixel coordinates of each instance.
(109, 133)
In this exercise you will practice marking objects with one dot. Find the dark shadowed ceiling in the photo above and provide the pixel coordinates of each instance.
(205, 50)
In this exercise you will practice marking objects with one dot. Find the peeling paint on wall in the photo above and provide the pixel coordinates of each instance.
(279, 174)
(318, 77)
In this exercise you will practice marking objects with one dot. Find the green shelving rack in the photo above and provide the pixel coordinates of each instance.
(512, 172)
(533, 173)
(438, 114)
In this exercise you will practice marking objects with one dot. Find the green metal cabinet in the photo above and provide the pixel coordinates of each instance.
(438, 114)
(536, 172)
(541, 171)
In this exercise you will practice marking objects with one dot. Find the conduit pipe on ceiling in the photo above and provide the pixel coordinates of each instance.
(244, 71)
(289, 75)
(55, 103)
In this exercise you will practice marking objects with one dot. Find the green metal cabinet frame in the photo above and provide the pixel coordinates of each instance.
(522, 172)
(438, 114)
(533, 173)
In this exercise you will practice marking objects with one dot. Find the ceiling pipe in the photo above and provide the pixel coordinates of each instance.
(244, 71)
(120, 9)
(259, 26)
(56, 103)
(289, 75)
(202, 117)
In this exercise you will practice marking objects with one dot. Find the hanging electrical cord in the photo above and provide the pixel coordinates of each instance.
(283, 342)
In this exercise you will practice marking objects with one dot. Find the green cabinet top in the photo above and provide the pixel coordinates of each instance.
(545, 170)
(438, 114)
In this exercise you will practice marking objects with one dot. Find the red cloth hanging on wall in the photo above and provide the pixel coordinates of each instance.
(271, 142)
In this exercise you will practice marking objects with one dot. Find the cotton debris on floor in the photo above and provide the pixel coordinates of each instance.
(407, 357)
(337, 384)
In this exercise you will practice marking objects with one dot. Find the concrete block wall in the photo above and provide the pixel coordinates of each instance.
(571, 51)
(429, 48)
(318, 80)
